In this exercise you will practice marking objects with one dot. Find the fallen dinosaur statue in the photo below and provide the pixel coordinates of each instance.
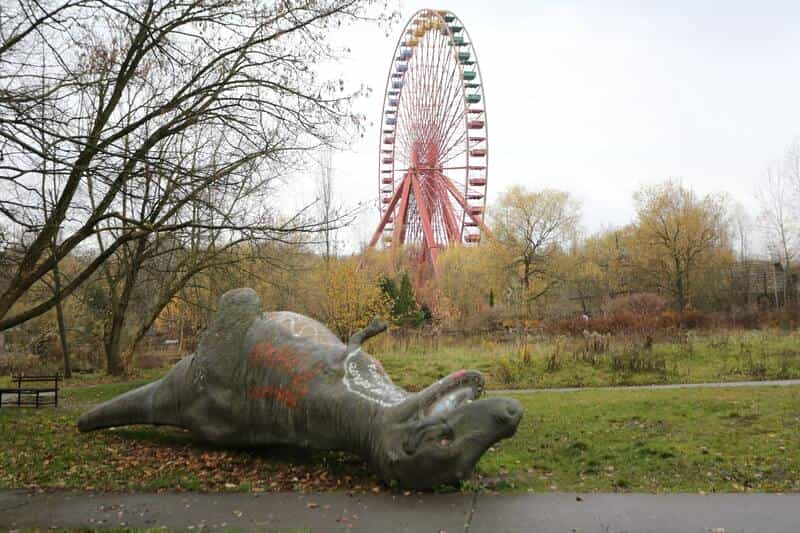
(282, 378)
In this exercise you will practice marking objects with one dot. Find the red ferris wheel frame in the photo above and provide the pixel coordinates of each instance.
(433, 144)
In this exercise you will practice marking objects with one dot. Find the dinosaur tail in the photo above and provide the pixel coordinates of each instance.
(139, 406)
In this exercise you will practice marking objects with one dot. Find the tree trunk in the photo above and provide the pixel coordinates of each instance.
(180, 334)
(113, 339)
(526, 274)
(62, 329)
(62, 333)
(681, 293)
(680, 288)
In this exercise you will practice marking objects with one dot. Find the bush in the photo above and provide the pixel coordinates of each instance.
(626, 322)
(27, 364)
(786, 318)
(642, 303)
(631, 323)
(488, 319)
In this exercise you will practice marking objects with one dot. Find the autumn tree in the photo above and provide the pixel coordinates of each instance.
(531, 229)
(677, 237)
(467, 277)
(344, 296)
(586, 274)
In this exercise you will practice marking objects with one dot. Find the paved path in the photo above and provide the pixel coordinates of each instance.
(767, 383)
(385, 513)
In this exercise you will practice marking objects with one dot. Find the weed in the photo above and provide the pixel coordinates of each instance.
(505, 371)
(757, 369)
(719, 342)
(524, 353)
(632, 360)
(594, 345)
(553, 360)
(535, 361)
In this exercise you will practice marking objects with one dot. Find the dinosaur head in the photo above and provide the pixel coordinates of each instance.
(437, 436)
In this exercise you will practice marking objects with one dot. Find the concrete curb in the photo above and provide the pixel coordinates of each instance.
(385, 513)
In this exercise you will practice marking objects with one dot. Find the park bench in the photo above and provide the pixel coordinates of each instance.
(33, 395)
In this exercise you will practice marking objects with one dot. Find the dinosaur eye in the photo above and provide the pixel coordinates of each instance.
(446, 437)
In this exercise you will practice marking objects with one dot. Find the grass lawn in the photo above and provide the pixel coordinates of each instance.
(665, 440)
(677, 440)
(570, 362)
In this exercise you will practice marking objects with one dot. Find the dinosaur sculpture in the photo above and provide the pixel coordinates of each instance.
(282, 378)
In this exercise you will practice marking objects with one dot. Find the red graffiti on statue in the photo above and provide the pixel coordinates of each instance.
(283, 359)
(285, 396)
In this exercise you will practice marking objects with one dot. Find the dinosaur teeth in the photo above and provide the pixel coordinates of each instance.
(450, 399)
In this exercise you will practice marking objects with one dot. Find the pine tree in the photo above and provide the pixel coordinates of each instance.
(405, 303)
(389, 290)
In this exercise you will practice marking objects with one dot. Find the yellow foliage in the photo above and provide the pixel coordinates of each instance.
(345, 296)
(677, 237)
(466, 275)
(532, 230)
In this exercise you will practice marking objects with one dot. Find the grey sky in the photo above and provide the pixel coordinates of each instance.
(599, 97)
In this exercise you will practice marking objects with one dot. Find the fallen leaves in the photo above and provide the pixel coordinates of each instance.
(47, 451)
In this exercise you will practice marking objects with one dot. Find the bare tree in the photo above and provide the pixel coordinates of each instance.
(128, 84)
(146, 274)
(47, 171)
(778, 215)
(328, 211)
(741, 227)
(532, 229)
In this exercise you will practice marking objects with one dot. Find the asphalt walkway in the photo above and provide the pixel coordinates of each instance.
(385, 513)
(714, 385)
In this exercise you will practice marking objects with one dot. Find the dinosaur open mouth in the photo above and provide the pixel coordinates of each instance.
(463, 388)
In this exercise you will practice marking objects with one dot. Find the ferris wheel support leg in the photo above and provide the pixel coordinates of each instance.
(386, 215)
(402, 213)
(463, 203)
(427, 229)
(450, 224)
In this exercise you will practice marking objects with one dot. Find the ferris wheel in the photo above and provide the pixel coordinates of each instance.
(434, 142)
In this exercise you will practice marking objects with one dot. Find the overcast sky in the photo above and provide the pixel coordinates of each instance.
(599, 97)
